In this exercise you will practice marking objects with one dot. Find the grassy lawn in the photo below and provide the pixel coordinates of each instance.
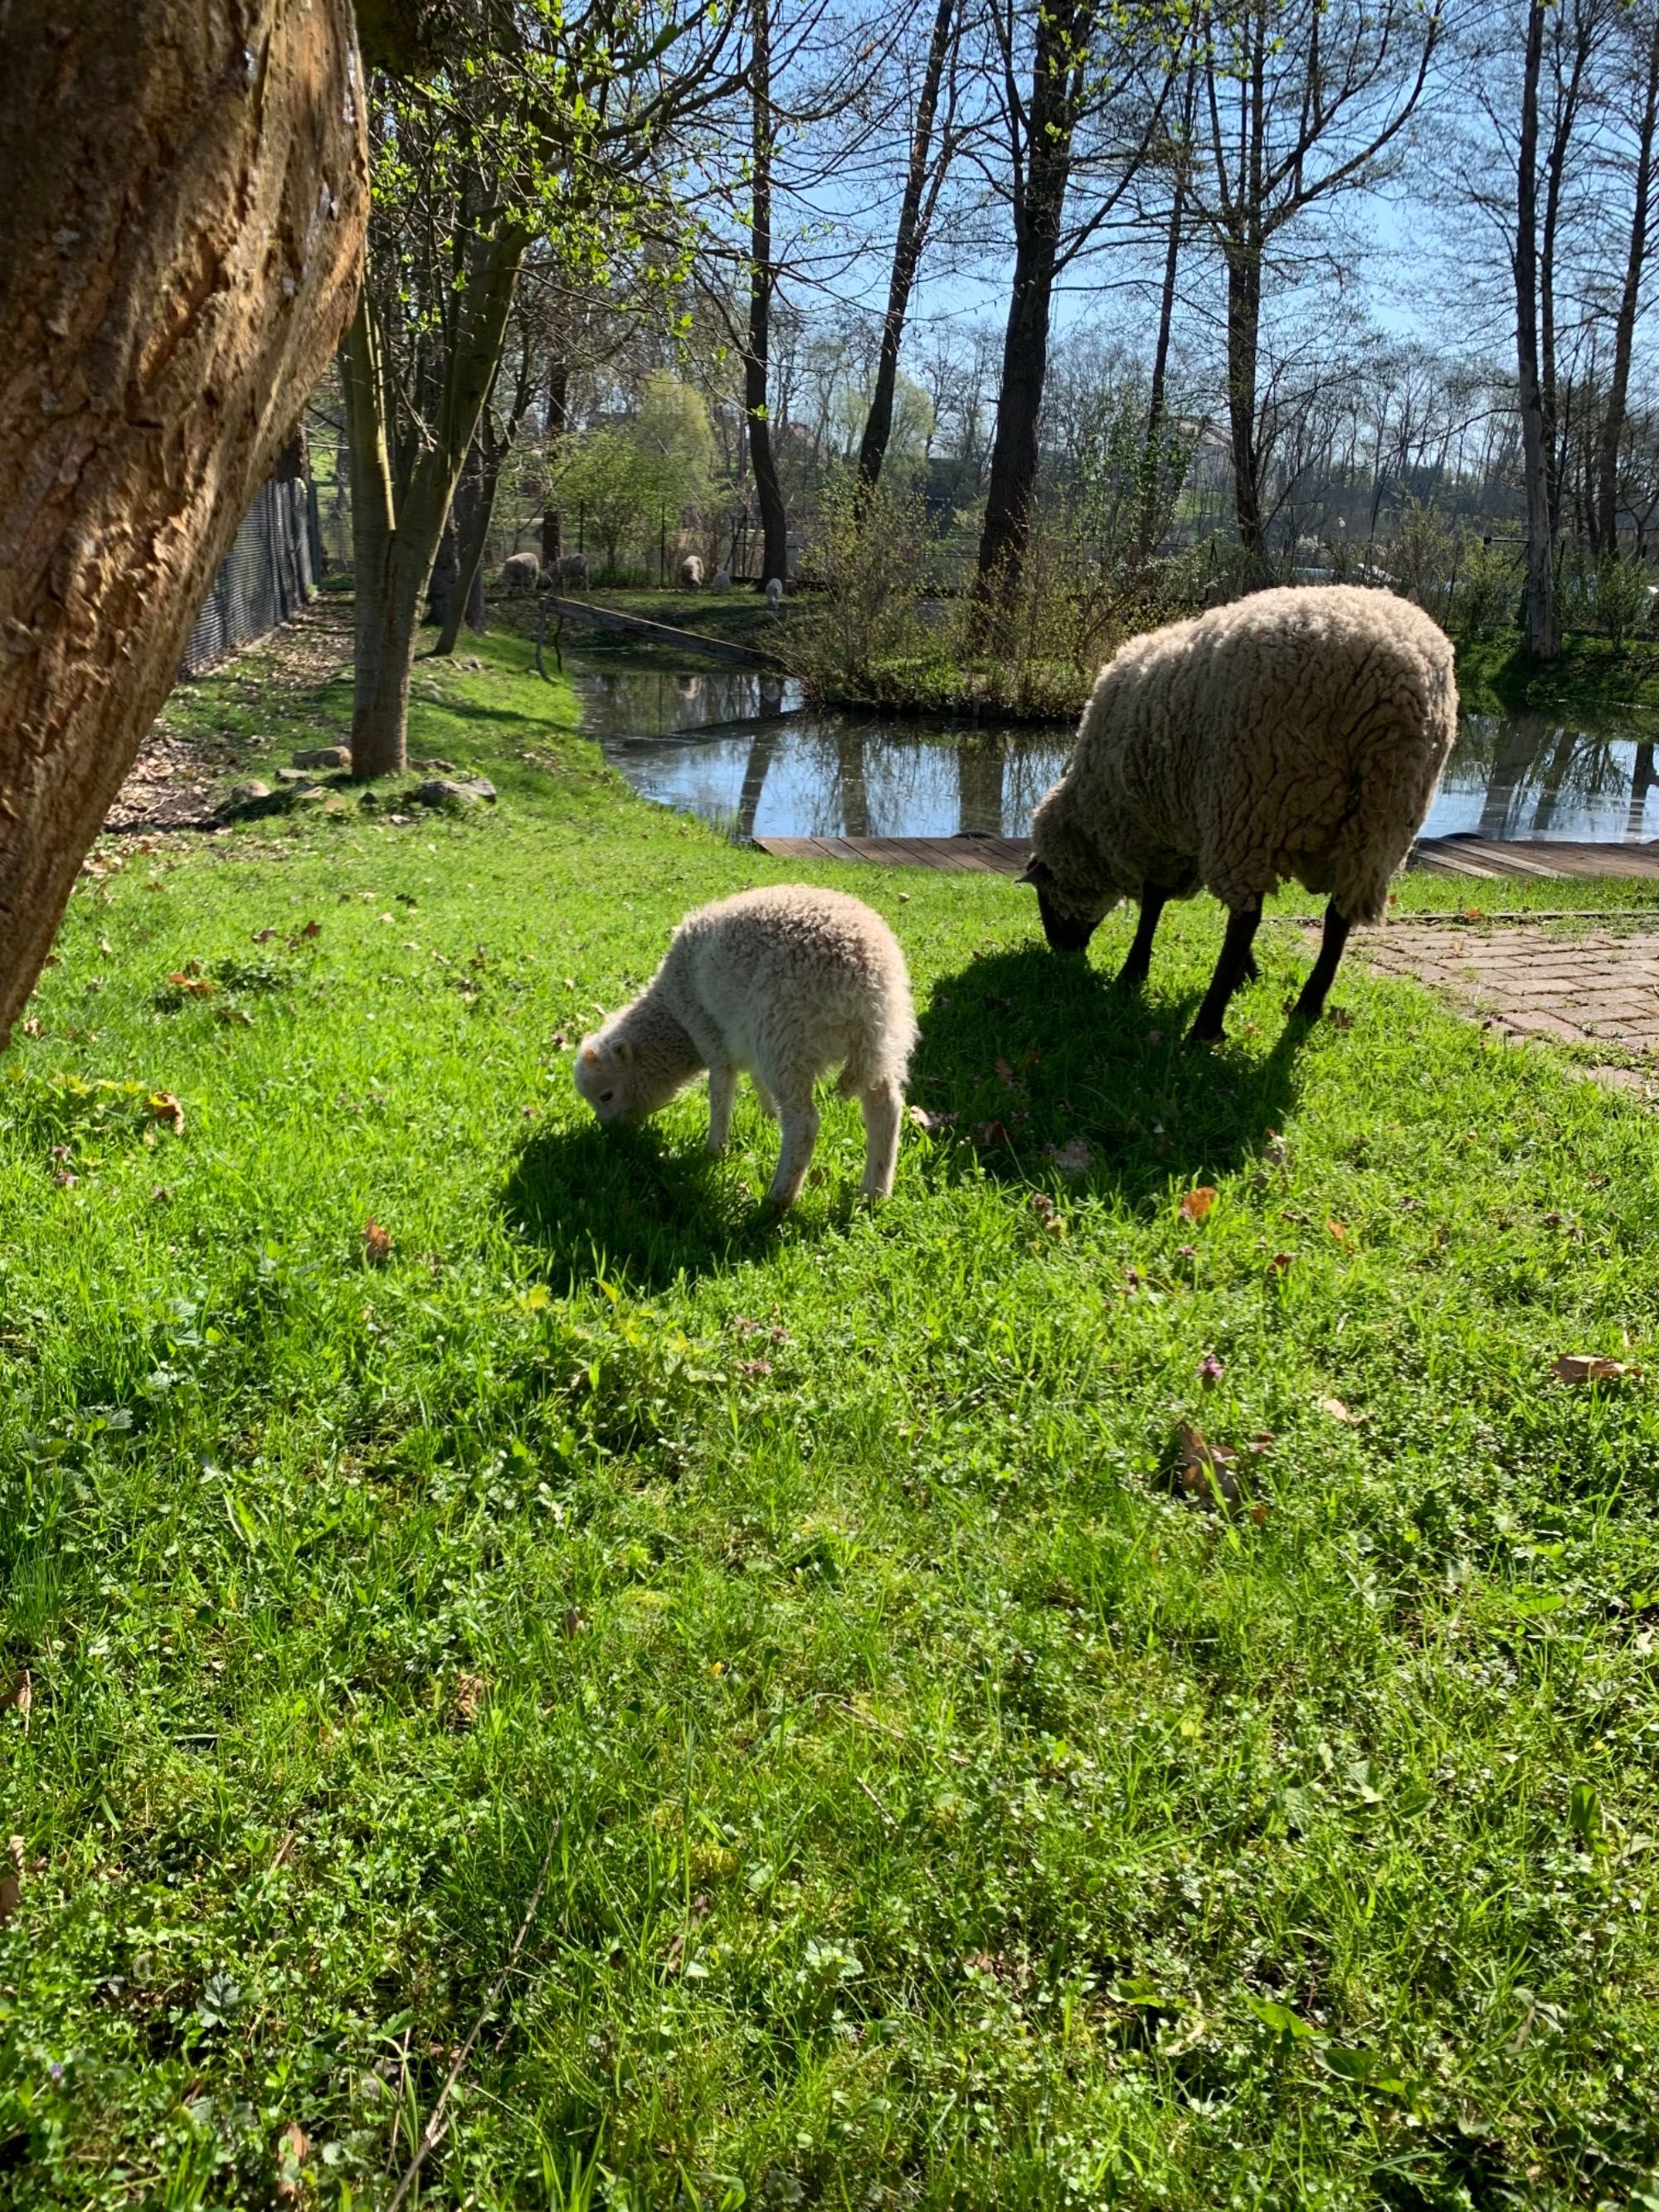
(1495, 676)
(942, 1804)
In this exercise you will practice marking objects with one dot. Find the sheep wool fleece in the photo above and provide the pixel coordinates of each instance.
(784, 983)
(1298, 734)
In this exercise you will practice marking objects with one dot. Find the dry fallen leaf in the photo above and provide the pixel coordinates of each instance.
(11, 1882)
(1590, 1367)
(1337, 1228)
(1338, 1017)
(18, 1696)
(1197, 1203)
(470, 1690)
(312, 929)
(1280, 1261)
(198, 986)
(377, 1243)
(930, 1124)
(293, 2148)
(264, 936)
(1004, 1075)
(1339, 1412)
(560, 1040)
(165, 1108)
(32, 1027)
(1205, 1469)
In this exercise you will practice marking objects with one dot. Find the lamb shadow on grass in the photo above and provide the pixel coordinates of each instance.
(1033, 1052)
(629, 1205)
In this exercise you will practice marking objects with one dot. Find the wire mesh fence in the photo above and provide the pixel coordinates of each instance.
(270, 571)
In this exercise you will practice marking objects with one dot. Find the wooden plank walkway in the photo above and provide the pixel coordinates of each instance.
(653, 633)
(1442, 856)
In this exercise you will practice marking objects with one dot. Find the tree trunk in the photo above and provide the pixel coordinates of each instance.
(396, 528)
(907, 254)
(774, 555)
(1151, 482)
(178, 264)
(1543, 635)
(1624, 329)
(469, 526)
(558, 423)
(1039, 207)
(1243, 355)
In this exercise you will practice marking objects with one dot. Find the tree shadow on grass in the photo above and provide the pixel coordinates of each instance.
(629, 1205)
(1033, 1052)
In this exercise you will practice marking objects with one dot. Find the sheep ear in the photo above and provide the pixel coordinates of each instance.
(623, 1050)
(1037, 872)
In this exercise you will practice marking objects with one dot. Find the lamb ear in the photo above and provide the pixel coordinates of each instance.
(623, 1050)
(1035, 871)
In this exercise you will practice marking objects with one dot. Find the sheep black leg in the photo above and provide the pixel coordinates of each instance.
(1311, 1005)
(1135, 969)
(1236, 963)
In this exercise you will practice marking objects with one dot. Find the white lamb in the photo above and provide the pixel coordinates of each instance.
(571, 569)
(774, 594)
(520, 571)
(720, 580)
(783, 984)
(691, 574)
(1295, 734)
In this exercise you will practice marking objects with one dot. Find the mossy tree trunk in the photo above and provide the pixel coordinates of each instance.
(178, 270)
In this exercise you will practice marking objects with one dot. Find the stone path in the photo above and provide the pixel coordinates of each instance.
(1597, 986)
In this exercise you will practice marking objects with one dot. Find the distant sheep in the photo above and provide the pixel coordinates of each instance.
(1295, 734)
(691, 574)
(520, 571)
(774, 594)
(571, 569)
(784, 984)
(721, 581)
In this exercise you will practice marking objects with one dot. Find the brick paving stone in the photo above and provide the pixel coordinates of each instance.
(1598, 988)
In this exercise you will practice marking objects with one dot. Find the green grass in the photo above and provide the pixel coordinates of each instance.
(945, 1808)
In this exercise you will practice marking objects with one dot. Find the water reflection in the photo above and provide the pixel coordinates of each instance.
(739, 750)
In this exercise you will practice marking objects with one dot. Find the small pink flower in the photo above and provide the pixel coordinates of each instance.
(1210, 1370)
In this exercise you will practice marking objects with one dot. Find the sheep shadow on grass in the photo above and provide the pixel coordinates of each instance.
(1033, 1053)
(631, 1205)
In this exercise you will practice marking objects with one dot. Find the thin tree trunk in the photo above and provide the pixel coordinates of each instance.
(395, 530)
(1624, 329)
(1555, 171)
(1152, 482)
(1244, 356)
(558, 423)
(469, 527)
(212, 166)
(1039, 208)
(1543, 635)
(908, 245)
(774, 543)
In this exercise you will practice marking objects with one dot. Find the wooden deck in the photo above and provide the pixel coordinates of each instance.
(1440, 856)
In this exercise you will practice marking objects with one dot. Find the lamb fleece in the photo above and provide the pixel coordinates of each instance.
(691, 574)
(1295, 734)
(783, 984)
(520, 571)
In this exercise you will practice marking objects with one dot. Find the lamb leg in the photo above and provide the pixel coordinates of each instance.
(1134, 971)
(722, 1092)
(799, 1118)
(1311, 1005)
(883, 1107)
(1237, 961)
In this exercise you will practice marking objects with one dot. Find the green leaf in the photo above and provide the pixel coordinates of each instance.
(1282, 2021)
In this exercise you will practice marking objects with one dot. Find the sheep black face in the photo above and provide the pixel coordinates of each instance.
(1066, 931)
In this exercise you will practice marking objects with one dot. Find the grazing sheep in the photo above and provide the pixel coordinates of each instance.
(720, 580)
(691, 574)
(1294, 734)
(520, 571)
(774, 594)
(571, 569)
(786, 983)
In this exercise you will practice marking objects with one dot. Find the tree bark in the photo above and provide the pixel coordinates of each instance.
(1568, 96)
(775, 553)
(911, 237)
(396, 527)
(558, 423)
(1624, 329)
(1151, 482)
(468, 529)
(1543, 635)
(1243, 356)
(177, 267)
(1039, 207)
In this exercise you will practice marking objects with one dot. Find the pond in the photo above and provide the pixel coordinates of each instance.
(740, 750)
